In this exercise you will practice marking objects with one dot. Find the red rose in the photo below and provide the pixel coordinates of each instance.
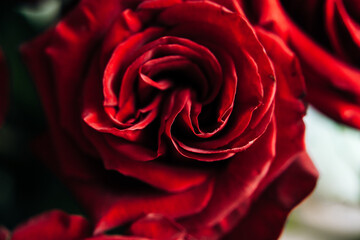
(325, 34)
(3, 88)
(168, 108)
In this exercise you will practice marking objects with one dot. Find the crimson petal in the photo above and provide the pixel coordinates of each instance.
(54, 225)
(267, 215)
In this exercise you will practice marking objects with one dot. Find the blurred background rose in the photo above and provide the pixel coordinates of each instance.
(333, 210)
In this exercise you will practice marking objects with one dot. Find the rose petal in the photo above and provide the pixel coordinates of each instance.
(54, 225)
(154, 173)
(111, 207)
(290, 106)
(95, 116)
(68, 167)
(237, 182)
(191, 22)
(181, 14)
(268, 214)
(118, 64)
(77, 34)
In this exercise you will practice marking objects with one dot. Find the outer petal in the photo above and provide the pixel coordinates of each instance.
(235, 184)
(77, 34)
(267, 216)
(150, 227)
(114, 206)
(72, 158)
(54, 225)
(290, 106)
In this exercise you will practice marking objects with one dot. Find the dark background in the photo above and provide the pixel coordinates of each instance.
(27, 188)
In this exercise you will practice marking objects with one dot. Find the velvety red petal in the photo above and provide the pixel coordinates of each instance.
(154, 173)
(112, 207)
(78, 33)
(290, 104)
(81, 167)
(289, 112)
(53, 225)
(230, 97)
(267, 215)
(198, 19)
(235, 184)
(37, 63)
(158, 174)
(117, 66)
(175, 105)
(192, 25)
(94, 114)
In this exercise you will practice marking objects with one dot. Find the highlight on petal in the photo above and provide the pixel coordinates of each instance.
(157, 226)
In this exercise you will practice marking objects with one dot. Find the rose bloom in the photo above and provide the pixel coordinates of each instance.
(325, 34)
(175, 109)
